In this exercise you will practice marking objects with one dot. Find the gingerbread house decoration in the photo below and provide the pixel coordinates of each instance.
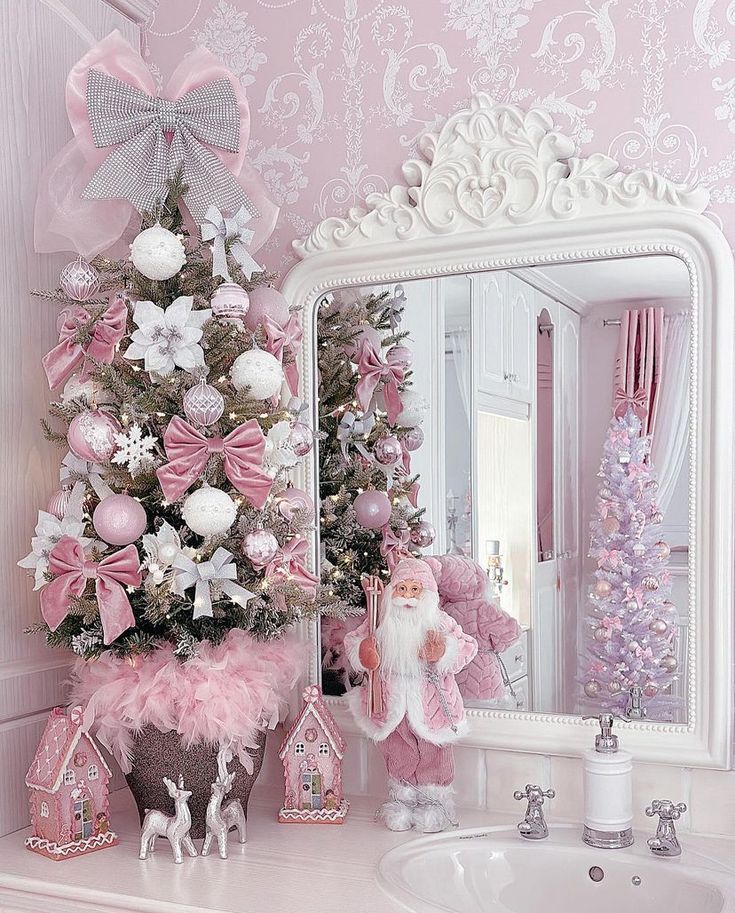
(312, 755)
(68, 790)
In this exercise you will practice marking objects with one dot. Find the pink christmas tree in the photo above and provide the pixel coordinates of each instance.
(631, 625)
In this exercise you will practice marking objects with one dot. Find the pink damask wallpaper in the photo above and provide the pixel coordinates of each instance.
(340, 89)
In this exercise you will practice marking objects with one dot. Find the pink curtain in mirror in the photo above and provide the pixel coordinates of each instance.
(638, 362)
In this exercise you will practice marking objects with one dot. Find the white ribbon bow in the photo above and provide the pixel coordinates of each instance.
(74, 467)
(219, 572)
(219, 229)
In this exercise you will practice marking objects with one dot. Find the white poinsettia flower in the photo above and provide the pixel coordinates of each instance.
(161, 549)
(49, 530)
(167, 339)
(278, 453)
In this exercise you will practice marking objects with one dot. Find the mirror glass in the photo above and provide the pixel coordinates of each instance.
(543, 434)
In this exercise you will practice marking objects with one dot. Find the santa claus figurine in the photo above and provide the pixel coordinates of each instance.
(415, 651)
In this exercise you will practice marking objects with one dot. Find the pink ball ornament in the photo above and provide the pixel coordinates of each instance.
(651, 689)
(91, 435)
(58, 502)
(300, 439)
(400, 355)
(658, 626)
(662, 550)
(373, 509)
(592, 688)
(423, 534)
(388, 450)
(119, 519)
(610, 525)
(669, 663)
(292, 500)
(413, 438)
(601, 634)
(603, 588)
(79, 280)
(614, 687)
(650, 582)
(260, 547)
(230, 302)
(367, 333)
(203, 404)
(266, 301)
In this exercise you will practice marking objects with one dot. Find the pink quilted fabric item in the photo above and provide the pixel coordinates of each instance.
(463, 589)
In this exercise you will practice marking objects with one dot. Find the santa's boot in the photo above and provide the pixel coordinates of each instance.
(434, 810)
(396, 814)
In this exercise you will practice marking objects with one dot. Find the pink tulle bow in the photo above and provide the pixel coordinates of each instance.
(290, 563)
(72, 569)
(288, 337)
(189, 451)
(372, 370)
(394, 546)
(65, 219)
(638, 401)
(107, 331)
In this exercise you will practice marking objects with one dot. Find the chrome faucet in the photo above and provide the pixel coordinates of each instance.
(665, 843)
(533, 826)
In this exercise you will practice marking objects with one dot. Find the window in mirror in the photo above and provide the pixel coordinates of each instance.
(508, 381)
(545, 437)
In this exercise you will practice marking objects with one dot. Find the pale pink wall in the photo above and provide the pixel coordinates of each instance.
(339, 89)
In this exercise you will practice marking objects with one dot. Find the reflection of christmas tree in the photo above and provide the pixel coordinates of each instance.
(631, 627)
(178, 451)
(369, 419)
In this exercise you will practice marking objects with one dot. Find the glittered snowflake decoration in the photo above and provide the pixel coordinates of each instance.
(134, 448)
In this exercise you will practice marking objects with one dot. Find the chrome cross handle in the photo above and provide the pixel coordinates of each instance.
(533, 826)
(665, 843)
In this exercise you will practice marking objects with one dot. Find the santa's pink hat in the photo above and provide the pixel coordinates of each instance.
(414, 569)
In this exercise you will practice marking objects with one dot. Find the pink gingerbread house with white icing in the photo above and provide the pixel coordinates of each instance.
(312, 755)
(67, 790)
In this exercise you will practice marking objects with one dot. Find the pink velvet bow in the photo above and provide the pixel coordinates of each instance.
(72, 569)
(64, 219)
(288, 337)
(394, 546)
(107, 332)
(290, 563)
(638, 401)
(372, 370)
(189, 452)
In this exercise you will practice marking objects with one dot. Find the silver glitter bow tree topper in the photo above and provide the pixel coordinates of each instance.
(144, 162)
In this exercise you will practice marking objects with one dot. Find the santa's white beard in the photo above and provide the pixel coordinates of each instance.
(402, 632)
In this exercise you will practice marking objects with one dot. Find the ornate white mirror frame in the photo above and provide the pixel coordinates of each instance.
(499, 188)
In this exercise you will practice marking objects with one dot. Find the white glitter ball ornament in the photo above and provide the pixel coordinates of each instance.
(209, 511)
(158, 253)
(414, 409)
(258, 372)
(203, 404)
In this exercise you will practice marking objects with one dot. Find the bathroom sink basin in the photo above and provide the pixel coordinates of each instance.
(493, 870)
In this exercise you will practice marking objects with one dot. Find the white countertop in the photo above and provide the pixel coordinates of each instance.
(283, 868)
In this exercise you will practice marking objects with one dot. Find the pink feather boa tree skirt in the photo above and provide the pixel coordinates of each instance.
(228, 693)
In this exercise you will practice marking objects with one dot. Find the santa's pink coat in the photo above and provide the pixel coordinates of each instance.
(435, 712)
(463, 593)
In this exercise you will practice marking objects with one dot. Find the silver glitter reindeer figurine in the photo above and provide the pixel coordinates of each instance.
(175, 828)
(220, 821)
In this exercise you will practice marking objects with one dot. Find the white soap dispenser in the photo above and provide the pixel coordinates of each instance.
(608, 790)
